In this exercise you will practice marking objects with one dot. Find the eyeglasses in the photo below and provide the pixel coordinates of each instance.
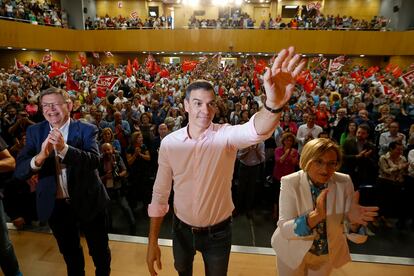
(50, 105)
(331, 165)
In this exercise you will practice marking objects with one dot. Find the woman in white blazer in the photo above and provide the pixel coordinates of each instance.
(318, 211)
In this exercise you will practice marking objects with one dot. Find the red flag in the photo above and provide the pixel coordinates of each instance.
(156, 69)
(83, 60)
(47, 58)
(33, 64)
(188, 65)
(71, 84)
(337, 64)
(357, 76)
(260, 66)
(371, 71)
(390, 67)
(67, 62)
(147, 84)
(57, 69)
(164, 73)
(128, 70)
(408, 78)
(397, 72)
(303, 77)
(105, 82)
(309, 86)
(135, 64)
(20, 66)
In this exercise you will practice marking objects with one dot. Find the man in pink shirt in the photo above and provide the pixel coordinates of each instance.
(199, 158)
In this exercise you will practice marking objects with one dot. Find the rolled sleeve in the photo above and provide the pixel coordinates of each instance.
(157, 210)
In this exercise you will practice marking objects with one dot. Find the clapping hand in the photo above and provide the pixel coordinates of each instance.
(360, 214)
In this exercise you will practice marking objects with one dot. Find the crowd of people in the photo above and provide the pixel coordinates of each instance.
(34, 12)
(241, 21)
(374, 129)
(123, 23)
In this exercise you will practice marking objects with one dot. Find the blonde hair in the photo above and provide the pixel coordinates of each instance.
(315, 148)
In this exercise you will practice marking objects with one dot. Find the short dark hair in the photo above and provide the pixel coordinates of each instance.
(198, 84)
(394, 144)
(365, 127)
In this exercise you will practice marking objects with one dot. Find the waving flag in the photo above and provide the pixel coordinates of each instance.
(20, 66)
(408, 78)
(71, 84)
(135, 64)
(336, 64)
(189, 65)
(57, 69)
(105, 82)
(47, 58)
(128, 70)
(83, 60)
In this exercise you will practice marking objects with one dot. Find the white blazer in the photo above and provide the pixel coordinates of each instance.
(296, 200)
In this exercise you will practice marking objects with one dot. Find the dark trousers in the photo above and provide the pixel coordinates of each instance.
(214, 246)
(8, 260)
(66, 228)
(248, 176)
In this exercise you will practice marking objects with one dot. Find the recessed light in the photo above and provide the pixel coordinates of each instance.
(321, 55)
(181, 52)
(303, 55)
(24, 49)
(47, 50)
(9, 48)
(144, 52)
(162, 52)
(362, 55)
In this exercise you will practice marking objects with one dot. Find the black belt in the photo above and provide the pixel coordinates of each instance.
(207, 229)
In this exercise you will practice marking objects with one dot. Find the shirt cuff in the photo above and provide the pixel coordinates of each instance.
(33, 164)
(63, 152)
(156, 210)
(301, 227)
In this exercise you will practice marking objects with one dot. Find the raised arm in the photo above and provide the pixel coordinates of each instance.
(279, 83)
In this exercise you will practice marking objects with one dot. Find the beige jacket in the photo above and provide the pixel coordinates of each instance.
(296, 200)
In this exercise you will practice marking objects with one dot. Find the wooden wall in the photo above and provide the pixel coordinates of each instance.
(19, 35)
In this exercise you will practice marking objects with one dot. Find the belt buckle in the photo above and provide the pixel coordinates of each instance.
(195, 230)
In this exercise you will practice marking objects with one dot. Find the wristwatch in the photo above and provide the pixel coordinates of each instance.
(278, 110)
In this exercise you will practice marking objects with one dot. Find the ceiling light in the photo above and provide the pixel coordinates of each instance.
(291, 7)
(9, 48)
(321, 55)
(144, 52)
(47, 50)
(24, 49)
(362, 55)
(303, 55)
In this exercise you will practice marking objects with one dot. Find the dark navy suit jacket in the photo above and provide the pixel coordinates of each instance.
(86, 191)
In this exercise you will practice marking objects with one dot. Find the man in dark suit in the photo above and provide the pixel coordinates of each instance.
(70, 194)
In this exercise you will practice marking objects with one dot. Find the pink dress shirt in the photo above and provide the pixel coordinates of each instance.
(202, 171)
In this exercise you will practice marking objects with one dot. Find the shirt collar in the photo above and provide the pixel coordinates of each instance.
(63, 128)
(186, 136)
